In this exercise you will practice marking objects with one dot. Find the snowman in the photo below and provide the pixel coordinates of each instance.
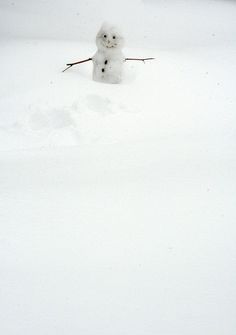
(108, 60)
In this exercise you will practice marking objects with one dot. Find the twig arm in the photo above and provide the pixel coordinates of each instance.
(69, 65)
(140, 59)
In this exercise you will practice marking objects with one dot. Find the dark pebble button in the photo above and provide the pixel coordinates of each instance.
(105, 62)
(103, 70)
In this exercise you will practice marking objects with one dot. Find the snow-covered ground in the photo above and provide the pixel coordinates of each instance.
(117, 202)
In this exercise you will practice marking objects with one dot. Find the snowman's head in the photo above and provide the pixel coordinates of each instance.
(109, 38)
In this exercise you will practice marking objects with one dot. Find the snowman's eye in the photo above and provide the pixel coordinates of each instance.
(113, 37)
(105, 36)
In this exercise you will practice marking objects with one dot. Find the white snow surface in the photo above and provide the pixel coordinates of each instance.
(117, 202)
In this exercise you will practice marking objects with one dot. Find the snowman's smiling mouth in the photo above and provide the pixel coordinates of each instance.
(109, 46)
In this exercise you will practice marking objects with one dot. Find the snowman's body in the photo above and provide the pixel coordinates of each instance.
(108, 60)
(107, 66)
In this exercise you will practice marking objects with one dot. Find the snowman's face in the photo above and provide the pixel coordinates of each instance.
(109, 38)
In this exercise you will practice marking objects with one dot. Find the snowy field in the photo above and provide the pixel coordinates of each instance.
(118, 202)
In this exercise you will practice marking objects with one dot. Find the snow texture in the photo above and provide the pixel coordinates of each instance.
(108, 60)
(117, 202)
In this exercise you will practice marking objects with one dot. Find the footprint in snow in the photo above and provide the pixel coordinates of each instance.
(55, 119)
(99, 104)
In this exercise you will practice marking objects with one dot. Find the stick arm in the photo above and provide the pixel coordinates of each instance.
(69, 65)
(139, 59)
